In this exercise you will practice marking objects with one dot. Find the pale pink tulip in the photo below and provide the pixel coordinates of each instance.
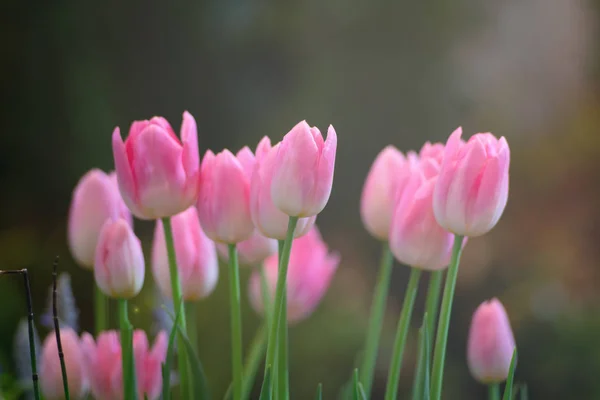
(196, 257)
(158, 174)
(303, 171)
(96, 198)
(104, 365)
(491, 343)
(472, 189)
(252, 251)
(51, 382)
(119, 266)
(267, 218)
(224, 198)
(430, 159)
(310, 270)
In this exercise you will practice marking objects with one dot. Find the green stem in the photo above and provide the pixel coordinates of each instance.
(439, 355)
(279, 295)
(101, 310)
(236, 323)
(391, 391)
(31, 332)
(382, 286)
(432, 304)
(128, 362)
(494, 391)
(282, 362)
(192, 330)
(177, 302)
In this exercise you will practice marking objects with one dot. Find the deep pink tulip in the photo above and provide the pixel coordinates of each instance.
(491, 343)
(103, 364)
(119, 266)
(51, 382)
(310, 271)
(196, 257)
(267, 218)
(96, 198)
(224, 198)
(303, 171)
(416, 238)
(252, 251)
(388, 175)
(158, 174)
(472, 189)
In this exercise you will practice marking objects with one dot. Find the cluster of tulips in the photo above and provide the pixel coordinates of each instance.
(259, 209)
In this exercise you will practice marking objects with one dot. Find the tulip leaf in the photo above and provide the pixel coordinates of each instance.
(358, 392)
(168, 364)
(265, 391)
(319, 392)
(508, 389)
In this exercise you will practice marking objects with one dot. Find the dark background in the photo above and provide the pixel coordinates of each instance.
(380, 72)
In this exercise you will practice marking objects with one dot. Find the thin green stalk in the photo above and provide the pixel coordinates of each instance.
(439, 355)
(192, 330)
(494, 391)
(391, 391)
(279, 296)
(178, 302)
(101, 310)
(380, 295)
(128, 362)
(282, 362)
(432, 304)
(236, 323)
(61, 356)
(34, 374)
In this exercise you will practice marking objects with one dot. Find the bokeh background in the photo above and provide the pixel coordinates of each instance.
(382, 73)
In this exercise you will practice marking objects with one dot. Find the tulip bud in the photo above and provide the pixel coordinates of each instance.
(158, 174)
(224, 198)
(472, 189)
(196, 257)
(267, 218)
(51, 382)
(491, 343)
(251, 251)
(303, 171)
(119, 266)
(96, 198)
(310, 270)
(389, 174)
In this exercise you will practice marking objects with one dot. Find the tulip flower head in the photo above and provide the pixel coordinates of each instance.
(491, 343)
(303, 171)
(158, 174)
(119, 266)
(51, 382)
(472, 189)
(96, 198)
(196, 257)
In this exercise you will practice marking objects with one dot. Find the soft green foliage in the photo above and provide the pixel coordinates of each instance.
(508, 389)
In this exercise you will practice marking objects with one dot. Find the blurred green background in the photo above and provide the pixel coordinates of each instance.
(380, 72)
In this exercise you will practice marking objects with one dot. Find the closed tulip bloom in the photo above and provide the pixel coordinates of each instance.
(119, 266)
(430, 159)
(472, 189)
(158, 174)
(96, 198)
(224, 198)
(311, 268)
(252, 251)
(388, 175)
(196, 257)
(267, 218)
(491, 343)
(102, 359)
(416, 239)
(303, 171)
(51, 382)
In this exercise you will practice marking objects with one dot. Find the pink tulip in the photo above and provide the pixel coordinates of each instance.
(51, 382)
(103, 364)
(472, 189)
(119, 266)
(310, 271)
(416, 239)
(251, 251)
(491, 343)
(96, 198)
(267, 218)
(158, 174)
(431, 157)
(196, 257)
(388, 176)
(303, 171)
(224, 198)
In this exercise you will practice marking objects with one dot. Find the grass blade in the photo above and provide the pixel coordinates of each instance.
(508, 389)
(265, 391)
(319, 392)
